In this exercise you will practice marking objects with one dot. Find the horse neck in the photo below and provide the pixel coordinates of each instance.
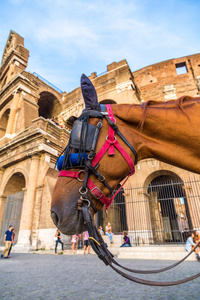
(165, 134)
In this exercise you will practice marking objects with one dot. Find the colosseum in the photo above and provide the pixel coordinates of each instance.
(157, 205)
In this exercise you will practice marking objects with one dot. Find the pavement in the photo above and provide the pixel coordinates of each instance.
(34, 276)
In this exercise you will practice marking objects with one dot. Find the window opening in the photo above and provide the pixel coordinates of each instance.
(181, 68)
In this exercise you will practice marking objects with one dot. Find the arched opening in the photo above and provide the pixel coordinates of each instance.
(13, 195)
(4, 122)
(169, 212)
(108, 101)
(49, 105)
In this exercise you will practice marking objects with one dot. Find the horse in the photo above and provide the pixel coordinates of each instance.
(105, 144)
(166, 131)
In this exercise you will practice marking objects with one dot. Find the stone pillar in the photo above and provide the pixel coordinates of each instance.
(2, 198)
(2, 205)
(11, 120)
(1, 177)
(28, 205)
(36, 216)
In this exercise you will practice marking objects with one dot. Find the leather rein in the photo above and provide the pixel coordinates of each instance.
(107, 257)
(89, 190)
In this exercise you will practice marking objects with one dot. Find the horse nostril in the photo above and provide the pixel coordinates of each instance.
(54, 217)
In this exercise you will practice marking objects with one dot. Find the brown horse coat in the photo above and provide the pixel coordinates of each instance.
(166, 131)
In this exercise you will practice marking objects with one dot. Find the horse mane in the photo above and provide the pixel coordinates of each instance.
(178, 104)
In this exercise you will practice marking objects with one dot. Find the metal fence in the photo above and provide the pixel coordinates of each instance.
(163, 212)
(11, 215)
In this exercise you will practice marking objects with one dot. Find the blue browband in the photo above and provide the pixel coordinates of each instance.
(73, 159)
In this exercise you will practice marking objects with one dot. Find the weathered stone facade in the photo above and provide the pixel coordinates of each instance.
(30, 142)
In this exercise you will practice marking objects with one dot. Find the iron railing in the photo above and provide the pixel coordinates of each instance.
(161, 213)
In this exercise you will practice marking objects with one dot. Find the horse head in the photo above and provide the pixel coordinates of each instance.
(93, 165)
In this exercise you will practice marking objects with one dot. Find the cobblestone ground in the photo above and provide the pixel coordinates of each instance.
(34, 276)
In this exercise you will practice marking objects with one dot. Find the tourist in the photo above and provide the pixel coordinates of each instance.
(73, 241)
(108, 231)
(58, 240)
(7, 242)
(100, 230)
(86, 242)
(126, 240)
(189, 246)
(12, 241)
(196, 237)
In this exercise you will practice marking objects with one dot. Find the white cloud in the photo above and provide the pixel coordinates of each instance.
(67, 37)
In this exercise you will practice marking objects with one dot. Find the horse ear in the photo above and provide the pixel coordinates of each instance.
(89, 94)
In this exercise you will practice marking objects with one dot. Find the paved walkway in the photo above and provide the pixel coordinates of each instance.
(35, 276)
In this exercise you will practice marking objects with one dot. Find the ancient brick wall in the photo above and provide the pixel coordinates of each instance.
(162, 82)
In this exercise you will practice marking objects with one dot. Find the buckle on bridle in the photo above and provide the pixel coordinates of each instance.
(101, 178)
(81, 171)
(83, 190)
(96, 188)
(109, 140)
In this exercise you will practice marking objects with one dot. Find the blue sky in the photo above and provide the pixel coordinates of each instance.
(69, 37)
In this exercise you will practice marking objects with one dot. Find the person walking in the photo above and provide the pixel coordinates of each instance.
(7, 242)
(86, 242)
(12, 241)
(58, 236)
(78, 242)
(73, 241)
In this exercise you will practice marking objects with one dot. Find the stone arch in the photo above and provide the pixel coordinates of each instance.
(49, 105)
(168, 207)
(9, 175)
(15, 183)
(158, 173)
(4, 121)
(12, 203)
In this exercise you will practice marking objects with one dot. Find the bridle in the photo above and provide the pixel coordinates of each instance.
(84, 137)
(83, 140)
